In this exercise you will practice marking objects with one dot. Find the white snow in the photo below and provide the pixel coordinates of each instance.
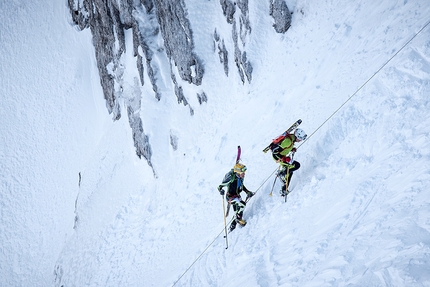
(79, 208)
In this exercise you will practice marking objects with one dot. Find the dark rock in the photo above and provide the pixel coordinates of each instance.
(141, 141)
(202, 98)
(178, 39)
(228, 9)
(108, 20)
(281, 14)
(244, 67)
(222, 51)
(173, 141)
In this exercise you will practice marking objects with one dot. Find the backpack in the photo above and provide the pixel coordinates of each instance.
(228, 178)
(276, 142)
(279, 139)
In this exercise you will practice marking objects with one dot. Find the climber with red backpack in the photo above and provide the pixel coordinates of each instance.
(283, 152)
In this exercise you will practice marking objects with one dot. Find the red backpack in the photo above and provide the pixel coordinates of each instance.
(279, 139)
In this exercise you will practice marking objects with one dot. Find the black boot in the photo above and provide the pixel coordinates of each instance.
(284, 191)
(232, 226)
(241, 221)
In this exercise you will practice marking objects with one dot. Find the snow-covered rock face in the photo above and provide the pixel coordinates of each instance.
(160, 29)
(281, 14)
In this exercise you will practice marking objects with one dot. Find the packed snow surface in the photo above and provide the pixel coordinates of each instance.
(79, 208)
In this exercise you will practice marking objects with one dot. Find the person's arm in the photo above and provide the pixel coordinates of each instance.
(249, 193)
(226, 181)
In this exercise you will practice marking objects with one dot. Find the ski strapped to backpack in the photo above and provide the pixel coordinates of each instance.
(281, 137)
(239, 151)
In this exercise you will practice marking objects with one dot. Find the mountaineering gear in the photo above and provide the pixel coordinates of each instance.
(235, 222)
(286, 159)
(233, 180)
(237, 203)
(281, 137)
(285, 145)
(249, 195)
(283, 151)
(300, 134)
(239, 168)
(276, 177)
(229, 179)
(283, 191)
(286, 172)
(221, 191)
(282, 148)
(285, 176)
(241, 222)
(232, 226)
(225, 225)
(230, 176)
(239, 151)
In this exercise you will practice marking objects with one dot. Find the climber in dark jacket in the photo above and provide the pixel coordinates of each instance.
(233, 180)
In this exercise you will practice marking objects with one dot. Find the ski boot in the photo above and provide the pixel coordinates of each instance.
(232, 226)
(284, 191)
(242, 222)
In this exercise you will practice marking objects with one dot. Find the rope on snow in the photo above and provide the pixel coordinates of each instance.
(341, 106)
(368, 80)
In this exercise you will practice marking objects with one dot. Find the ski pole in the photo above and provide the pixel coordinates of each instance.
(274, 183)
(225, 223)
(287, 182)
(287, 177)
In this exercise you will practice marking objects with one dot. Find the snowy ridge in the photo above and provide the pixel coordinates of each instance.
(358, 212)
(352, 213)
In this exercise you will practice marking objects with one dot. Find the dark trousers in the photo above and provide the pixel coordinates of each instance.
(238, 207)
(283, 173)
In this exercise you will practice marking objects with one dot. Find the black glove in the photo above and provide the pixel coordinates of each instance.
(249, 195)
(221, 191)
(294, 150)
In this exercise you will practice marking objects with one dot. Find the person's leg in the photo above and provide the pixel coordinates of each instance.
(233, 225)
(282, 174)
(293, 167)
(239, 207)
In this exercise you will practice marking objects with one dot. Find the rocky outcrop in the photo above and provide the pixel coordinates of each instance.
(239, 34)
(178, 39)
(222, 51)
(162, 36)
(281, 14)
(103, 19)
(108, 21)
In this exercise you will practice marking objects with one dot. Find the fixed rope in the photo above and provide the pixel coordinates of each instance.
(368, 80)
(336, 111)
(216, 237)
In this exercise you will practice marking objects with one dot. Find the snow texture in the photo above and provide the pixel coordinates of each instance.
(79, 208)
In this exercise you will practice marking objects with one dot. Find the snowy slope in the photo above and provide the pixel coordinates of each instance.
(50, 124)
(358, 211)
